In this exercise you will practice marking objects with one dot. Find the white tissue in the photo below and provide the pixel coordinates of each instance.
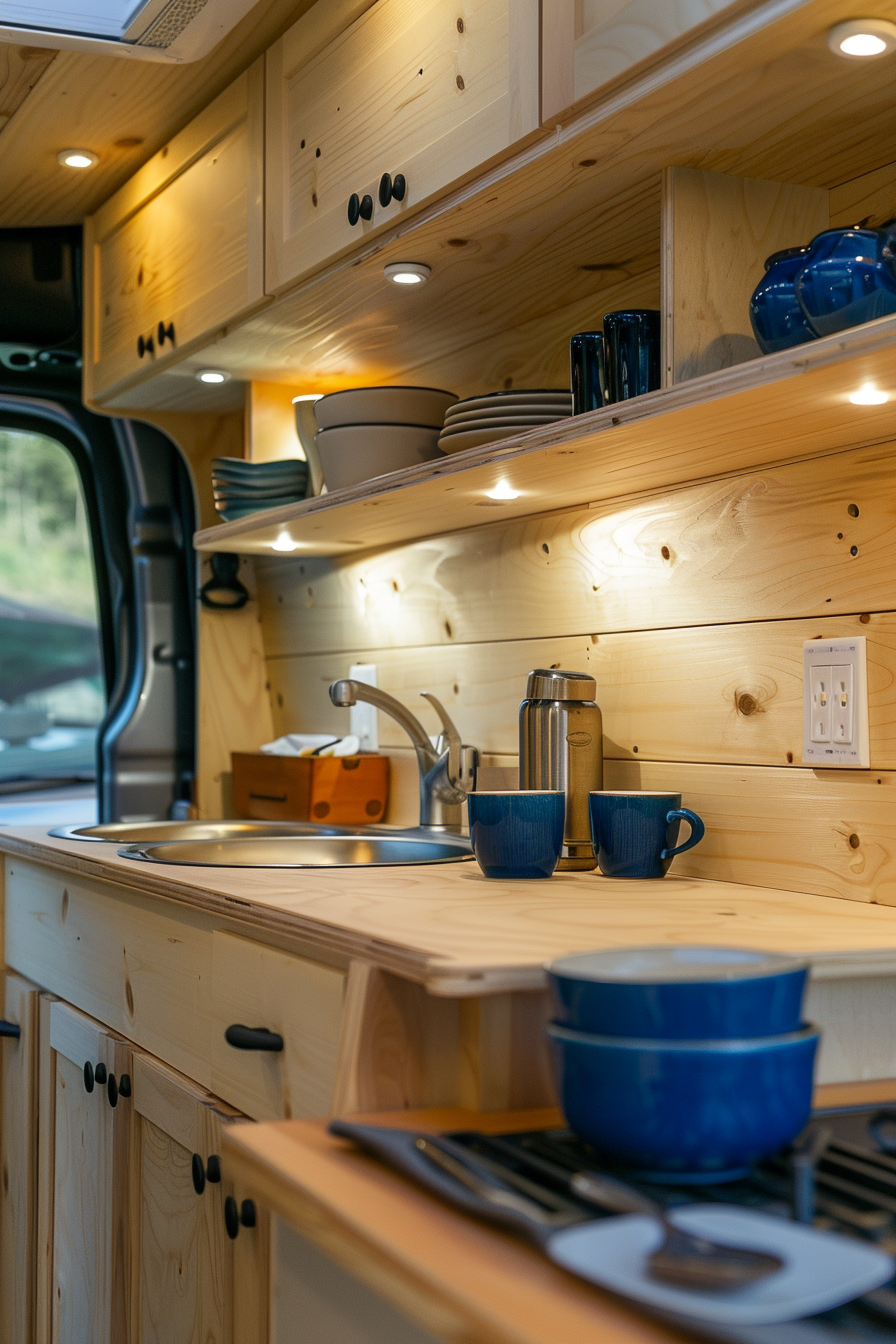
(307, 744)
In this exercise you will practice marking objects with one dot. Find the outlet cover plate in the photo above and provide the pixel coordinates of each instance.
(362, 717)
(836, 657)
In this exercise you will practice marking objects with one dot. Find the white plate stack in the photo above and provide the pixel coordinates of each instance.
(501, 415)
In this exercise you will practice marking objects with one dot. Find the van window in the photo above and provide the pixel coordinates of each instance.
(52, 694)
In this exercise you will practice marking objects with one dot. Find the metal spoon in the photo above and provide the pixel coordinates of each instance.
(683, 1259)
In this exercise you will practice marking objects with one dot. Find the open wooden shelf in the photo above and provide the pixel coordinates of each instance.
(777, 408)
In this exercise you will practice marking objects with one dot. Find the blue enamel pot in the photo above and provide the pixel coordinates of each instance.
(678, 993)
(849, 277)
(777, 318)
(685, 1111)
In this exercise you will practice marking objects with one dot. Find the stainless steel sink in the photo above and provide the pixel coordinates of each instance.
(342, 850)
(140, 832)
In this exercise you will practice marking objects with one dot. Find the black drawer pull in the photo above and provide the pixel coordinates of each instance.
(10, 1029)
(354, 208)
(112, 1091)
(247, 1213)
(253, 1038)
(213, 1169)
(165, 333)
(367, 207)
(88, 1076)
(231, 1218)
(99, 1073)
(145, 347)
(399, 186)
(124, 1085)
(386, 190)
(198, 1171)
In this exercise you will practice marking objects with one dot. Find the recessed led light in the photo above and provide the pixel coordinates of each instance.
(78, 158)
(407, 272)
(863, 37)
(213, 376)
(503, 491)
(284, 543)
(868, 395)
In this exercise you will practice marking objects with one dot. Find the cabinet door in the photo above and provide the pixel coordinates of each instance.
(421, 88)
(18, 1159)
(177, 252)
(83, 1250)
(586, 43)
(192, 1282)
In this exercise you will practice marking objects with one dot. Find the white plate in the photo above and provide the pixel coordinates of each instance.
(475, 438)
(501, 422)
(506, 405)
(821, 1269)
(556, 412)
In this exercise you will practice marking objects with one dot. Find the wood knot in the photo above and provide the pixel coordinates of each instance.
(666, 553)
(747, 704)
(854, 841)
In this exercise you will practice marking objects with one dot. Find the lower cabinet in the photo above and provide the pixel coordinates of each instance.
(18, 1157)
(141, 1238)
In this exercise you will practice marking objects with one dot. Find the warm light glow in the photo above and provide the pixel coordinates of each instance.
(407, 272)
(284, 543)
(868, 395)
(503, 491)
(307, 396)
(213, 376)
(77, 158)
(862, 37)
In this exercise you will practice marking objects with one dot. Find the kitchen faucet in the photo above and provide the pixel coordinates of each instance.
(447, 770)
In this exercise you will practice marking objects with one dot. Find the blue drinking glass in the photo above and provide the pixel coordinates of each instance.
(588, 371)
(632, 347)
(778, 320)
(849, 277)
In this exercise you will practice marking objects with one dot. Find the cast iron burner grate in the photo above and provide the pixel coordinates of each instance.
(850, 1188)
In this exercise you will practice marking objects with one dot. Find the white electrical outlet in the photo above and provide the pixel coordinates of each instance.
(835, 703)
(362, 717)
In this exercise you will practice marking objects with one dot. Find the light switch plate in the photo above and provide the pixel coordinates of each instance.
(835, 704)
(362, 717)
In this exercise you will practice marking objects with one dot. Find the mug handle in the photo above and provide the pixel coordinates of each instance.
(698, 830)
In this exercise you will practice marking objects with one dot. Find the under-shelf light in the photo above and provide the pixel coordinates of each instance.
(78, 158)
(407, 272)
(284, 543)
(503, 491)
(863, 37)
(214, 376)
(868, 395)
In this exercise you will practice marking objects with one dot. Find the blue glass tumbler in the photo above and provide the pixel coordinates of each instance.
(588, 371)
(632, 344)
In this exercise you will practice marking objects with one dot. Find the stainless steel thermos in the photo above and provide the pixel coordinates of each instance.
(561, 747)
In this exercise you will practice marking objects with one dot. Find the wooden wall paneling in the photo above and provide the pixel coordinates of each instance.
(270, 433)
(18, 1161)
(20, 69)
(767, 545)
(717, 232)
(868, 200)
(234, 702)
(831, 832)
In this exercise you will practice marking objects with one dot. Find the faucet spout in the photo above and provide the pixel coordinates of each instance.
(347, 693)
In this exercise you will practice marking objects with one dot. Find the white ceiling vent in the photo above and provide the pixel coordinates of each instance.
(149, 30)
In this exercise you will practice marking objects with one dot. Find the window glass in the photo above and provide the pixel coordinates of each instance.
(51, 688)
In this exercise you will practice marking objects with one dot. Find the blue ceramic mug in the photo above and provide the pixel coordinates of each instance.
(635, 834)
(517, 834)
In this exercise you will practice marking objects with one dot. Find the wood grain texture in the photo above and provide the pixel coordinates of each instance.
(301, 1000)
(20, 70)
(718, 231)
(18, 1162)
(768, 545)
(46, 1145)
(270, 433)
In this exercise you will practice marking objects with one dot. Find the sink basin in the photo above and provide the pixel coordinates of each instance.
(336, 850)
(138, 832)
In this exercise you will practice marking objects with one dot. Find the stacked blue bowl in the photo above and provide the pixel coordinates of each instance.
(242, 488)
(686, 1064)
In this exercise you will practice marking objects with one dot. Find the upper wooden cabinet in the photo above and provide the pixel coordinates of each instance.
(587, 43)
(177, 252)
(428, 89)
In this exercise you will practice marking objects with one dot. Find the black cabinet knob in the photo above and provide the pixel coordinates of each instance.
(253, 1038)
(112, 1091)
(399, 186)
(198, 1171)
(386, 190)
(367, 207)
(213, 1169)
(231, 1218)
(247, 1213)
(165, 333)
(145, 346)
(354, 208)
(124, 1085)
(10, 1029)
(88, 1076)
(99, 1073)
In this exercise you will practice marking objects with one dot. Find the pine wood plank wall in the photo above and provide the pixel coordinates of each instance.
(689, 606)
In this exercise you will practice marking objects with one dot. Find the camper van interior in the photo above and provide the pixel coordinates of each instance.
(447, 671)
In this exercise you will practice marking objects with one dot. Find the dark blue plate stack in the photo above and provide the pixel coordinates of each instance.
(241, 487)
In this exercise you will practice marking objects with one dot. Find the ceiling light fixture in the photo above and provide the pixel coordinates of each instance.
(284, 543)
(503, 491)
(863, 37)
(78, 158)
(868, 395)
(213, 376)
(407, 272)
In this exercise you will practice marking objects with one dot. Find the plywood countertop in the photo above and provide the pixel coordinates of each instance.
(450, 929)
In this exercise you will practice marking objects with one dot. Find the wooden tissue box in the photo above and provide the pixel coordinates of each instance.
(340, 790)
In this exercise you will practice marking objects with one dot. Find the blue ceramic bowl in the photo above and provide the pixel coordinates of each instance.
(519, 833)
(678, 993)
(777, 318)
(694, 1111)
(849, 277)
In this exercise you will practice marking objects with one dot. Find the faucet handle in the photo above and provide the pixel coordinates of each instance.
(449, 733)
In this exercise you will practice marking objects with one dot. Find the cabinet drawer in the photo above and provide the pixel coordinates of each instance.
(180, 246)
(412, 87)
(257, 986)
